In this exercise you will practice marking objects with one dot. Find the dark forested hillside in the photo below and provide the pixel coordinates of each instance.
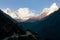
(11, 30)
(48, 27)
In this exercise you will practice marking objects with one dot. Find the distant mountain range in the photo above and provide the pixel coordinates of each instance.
(11, 30)
(48, 27)
(45, 12)
(24, 14)
(46, 24)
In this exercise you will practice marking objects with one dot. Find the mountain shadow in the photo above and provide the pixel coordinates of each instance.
(11, 30)
(48, 27)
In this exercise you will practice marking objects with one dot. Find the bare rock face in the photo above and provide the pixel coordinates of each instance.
(11, 30)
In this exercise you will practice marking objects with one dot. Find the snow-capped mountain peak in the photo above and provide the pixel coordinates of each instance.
(54, 5)
(53, 8)
(46, 12)
(9, 12)
(23, 14)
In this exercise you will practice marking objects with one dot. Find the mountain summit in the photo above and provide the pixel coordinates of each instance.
(53, 8)
(10, 12)
(48, 11)
(45, 12)
(24, 14)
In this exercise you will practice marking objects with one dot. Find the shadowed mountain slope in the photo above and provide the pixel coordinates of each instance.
(11, 30)
(48, 27)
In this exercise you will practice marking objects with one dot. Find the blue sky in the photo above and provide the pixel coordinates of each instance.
(35, 5)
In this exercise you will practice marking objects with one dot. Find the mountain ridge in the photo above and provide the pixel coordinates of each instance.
(45, 12)
(24, 14)
(48, 27)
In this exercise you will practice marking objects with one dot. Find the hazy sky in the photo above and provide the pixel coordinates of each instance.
(34, 5)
